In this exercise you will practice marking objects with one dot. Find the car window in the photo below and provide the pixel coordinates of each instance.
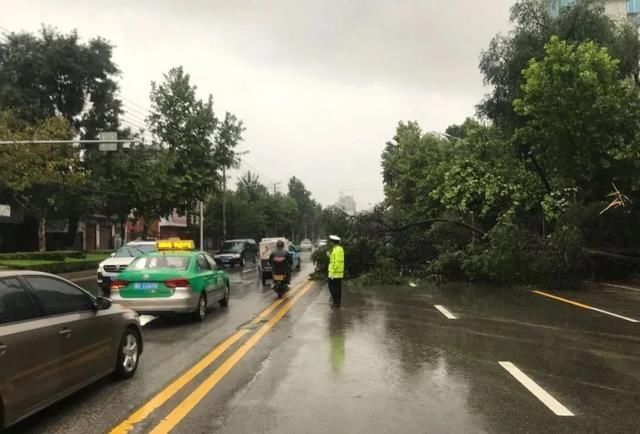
(145, 248)
(58, 297)
(160, 262)
(232, 246)
(15, 303)
(211, 262)
(128, 252)
(202, 264)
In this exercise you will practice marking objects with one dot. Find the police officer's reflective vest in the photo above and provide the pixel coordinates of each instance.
(336, 263)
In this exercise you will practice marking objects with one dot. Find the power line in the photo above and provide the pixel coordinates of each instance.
(64, 142)
(132, 123)
(134, 116)
(261, 173)
(144, 109)
(130, 109)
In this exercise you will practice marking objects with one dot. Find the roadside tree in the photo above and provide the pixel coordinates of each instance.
(183, 127)
(40, 176)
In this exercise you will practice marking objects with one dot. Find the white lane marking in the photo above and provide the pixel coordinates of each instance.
(613, 314)
(621, 286)
(584, 306)
(445, 312)
(537, 391)
(146, 319)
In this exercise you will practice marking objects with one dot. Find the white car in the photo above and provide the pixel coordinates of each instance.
(109, 269)
(306, 245)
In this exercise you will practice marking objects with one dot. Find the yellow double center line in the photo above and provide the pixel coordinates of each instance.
(205, 387)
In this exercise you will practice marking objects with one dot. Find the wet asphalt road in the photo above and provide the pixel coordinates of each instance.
(388, 361)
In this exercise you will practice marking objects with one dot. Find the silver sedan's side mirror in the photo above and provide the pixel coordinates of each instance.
(103, 303)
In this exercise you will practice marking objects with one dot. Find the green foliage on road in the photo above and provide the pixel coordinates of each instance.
(528, 197)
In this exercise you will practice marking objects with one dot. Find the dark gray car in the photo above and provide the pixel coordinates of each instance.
(56, 338)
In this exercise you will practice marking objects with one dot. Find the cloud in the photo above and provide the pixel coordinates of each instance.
(320, 84)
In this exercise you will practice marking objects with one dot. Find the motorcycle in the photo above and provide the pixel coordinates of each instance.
(279, 276)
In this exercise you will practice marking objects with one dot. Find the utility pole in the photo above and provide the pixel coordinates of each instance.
(201, 226)
(224, 203)
(275, 187)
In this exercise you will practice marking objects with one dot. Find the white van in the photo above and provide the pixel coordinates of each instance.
(268, 245)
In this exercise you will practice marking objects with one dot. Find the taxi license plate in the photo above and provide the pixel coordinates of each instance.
(146, 285)
(278, 278)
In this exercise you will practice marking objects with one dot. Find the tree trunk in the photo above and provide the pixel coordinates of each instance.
(42, 234)
(123, 231)
(72, 232)
(145, 229)
(224, 203)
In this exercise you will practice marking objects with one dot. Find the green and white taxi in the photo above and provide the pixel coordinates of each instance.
(176, 279)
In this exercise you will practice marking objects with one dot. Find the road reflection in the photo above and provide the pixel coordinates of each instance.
(337, 340)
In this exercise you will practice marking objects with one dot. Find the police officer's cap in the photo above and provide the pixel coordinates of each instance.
(334, 238)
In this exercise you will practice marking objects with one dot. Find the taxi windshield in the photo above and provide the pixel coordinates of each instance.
(133, 251)
(160, 262)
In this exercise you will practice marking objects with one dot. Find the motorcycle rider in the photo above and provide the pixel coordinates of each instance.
(281, 252)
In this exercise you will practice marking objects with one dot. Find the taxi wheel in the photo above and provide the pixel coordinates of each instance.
(225, 301)
(128, 354)
(201, 311)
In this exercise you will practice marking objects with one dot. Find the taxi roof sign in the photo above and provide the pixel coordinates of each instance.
(175, 244)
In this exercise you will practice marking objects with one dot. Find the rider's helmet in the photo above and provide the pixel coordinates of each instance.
(280, 244)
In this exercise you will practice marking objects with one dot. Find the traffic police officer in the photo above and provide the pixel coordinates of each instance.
(336, 270)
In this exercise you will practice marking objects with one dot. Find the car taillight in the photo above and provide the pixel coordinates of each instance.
(119, 284)
(176, 283)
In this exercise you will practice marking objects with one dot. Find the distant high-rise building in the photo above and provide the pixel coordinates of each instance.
(347, 204)
(614, 8)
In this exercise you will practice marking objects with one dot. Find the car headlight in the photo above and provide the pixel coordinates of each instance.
(237, 256)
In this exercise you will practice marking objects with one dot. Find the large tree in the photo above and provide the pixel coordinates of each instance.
(41, 177)
(54, 74)
(308, 212)
(251, 188)
(183, 127)
(581, 120)
(50, 74)
(502, 63)
(227, 138)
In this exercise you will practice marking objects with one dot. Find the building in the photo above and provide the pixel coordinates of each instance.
(174, 226)
(618, 9)
(347, 204)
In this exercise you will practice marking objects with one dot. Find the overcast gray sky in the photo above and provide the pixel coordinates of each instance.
(320, 84)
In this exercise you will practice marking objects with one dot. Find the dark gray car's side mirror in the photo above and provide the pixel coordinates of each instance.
(103, 303)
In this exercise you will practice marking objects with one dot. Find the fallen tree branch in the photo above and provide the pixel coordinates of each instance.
(609, 255)
(431, 221)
